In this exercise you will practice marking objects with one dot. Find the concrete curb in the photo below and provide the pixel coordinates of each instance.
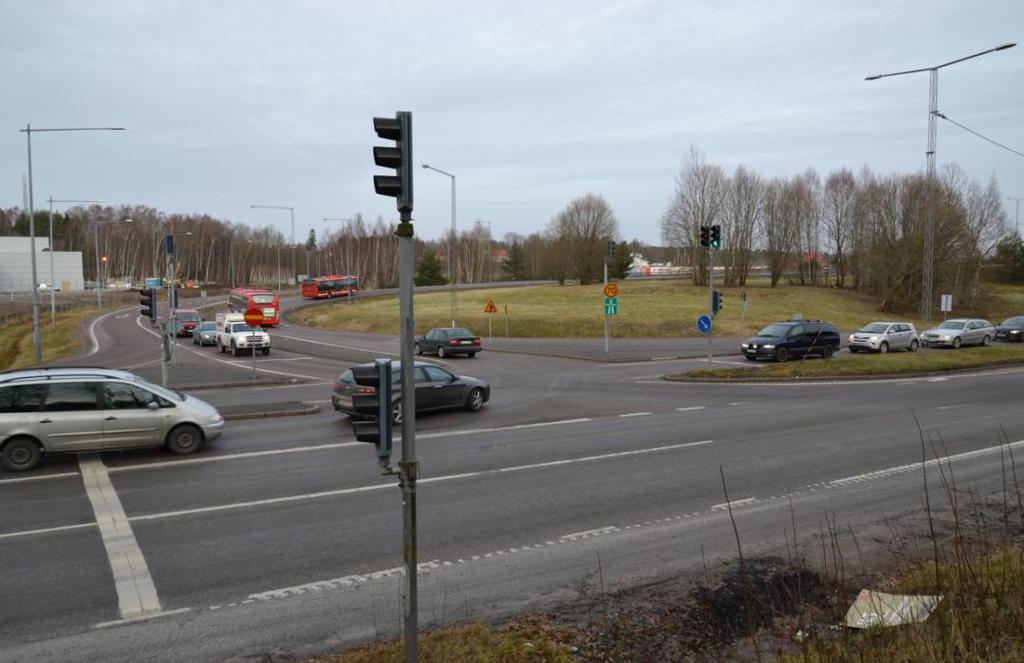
(238, 385)
(271, 414)
(843, 378)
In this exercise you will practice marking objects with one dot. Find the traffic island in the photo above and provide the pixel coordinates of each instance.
(267, 410)
(865, 367)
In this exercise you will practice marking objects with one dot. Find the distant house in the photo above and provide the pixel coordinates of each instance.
(16, 266)
(643, 267)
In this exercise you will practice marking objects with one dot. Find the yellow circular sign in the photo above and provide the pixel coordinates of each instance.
(611, 290)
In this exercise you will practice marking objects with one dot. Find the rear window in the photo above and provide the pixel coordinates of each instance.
(460, 333)
(263, 299)
(347, 378)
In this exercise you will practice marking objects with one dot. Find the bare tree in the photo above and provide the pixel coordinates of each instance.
(585, 224)
(778, 227)
(840, 194)
(698, 200)
(744, 205)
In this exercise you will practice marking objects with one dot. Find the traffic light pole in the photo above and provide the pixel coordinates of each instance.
(408, 468)
(711, 298)
(607, 318)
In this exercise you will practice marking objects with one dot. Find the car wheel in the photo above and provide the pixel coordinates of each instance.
(781, 354)
(220, 346)
(234, 350)
(396, 412)
(827, 352)
(184, 439)
(265, 351)
(20, 454)
(956, 343)
(472, 355)
(751, 358)
(985, 341)
(419, 349)
(440, 352)
(475, 400)
(913, 346)
(883, 348)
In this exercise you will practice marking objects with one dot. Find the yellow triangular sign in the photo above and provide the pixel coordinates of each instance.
(490, 308)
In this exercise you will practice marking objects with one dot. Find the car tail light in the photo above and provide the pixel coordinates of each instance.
(476, 341)
(366, 390)
(453, 342)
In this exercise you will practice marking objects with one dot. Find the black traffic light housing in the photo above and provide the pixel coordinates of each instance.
(717, 301)
(611, 248)
(148, 302)
(399, 157)
(704, 236)
(375, 403)
(716, 237)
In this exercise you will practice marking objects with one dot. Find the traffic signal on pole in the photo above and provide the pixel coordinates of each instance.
(716, 237)
(373, 400)
(399, 157)
(611, 248)
(148, 302)
(704, 236)
(717, 302)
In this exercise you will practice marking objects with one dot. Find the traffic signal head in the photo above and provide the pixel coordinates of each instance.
(373, 399)
(716, 237)
(399, 157)
(148, 301)
(704, 236)
(717, 302)
(611, 248)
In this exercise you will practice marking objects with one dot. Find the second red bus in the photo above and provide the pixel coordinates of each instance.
(243, 299)
(324, 287)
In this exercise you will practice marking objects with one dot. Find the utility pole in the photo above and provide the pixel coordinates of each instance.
(1016, 214)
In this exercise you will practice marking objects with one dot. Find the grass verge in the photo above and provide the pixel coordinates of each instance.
(893, 363)
(62, 340)
(647, 309)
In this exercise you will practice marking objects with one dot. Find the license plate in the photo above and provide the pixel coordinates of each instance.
(466, 342)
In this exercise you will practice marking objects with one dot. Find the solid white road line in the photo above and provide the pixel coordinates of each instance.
(46, 530)
(136, 593)
(951, 407)
(692, 408)
(41, 477)
(92, 332)
(499, 429)
(635, 414)
(235, 456)
(367, 350)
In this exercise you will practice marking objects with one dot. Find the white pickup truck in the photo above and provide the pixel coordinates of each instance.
(233, 333)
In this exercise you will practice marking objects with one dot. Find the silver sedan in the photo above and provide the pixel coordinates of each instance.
(961, 331)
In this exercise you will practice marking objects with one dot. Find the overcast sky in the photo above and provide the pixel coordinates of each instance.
(530, 104)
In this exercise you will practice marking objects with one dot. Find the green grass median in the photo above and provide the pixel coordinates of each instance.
(893, 363)
(61, 340)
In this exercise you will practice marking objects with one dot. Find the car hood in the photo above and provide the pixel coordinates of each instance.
(200, 407)
(1004, 328)
(762, 340)
(471, 380)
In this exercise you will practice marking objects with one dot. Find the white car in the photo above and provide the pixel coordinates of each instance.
(235, 334)
(884, 336)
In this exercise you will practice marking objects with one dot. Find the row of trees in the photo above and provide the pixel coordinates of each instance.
(865, 231)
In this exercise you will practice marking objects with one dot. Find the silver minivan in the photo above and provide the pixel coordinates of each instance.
(62, 410)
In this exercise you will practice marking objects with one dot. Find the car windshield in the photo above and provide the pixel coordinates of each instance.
(875, 328)
(244, 328)
(460, 333)
(209, 325)
(188, 316)
(774, 330)
(951, 324)
(1013, 322)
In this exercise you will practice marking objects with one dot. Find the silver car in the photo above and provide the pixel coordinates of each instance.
(884, 336)
(961, 331)
(60, 410)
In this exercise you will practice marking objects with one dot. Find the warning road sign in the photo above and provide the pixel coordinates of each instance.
(611, 290)
(490, 308)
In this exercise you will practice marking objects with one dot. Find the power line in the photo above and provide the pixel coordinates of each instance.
(997, 144)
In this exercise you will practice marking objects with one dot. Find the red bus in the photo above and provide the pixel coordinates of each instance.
(243, 299)
(324, 287)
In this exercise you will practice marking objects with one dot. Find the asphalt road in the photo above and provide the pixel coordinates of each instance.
(282, 538)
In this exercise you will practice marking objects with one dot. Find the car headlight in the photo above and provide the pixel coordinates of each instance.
(744, 345)
(768, 347)
(947, 337)
(1014, 331)
(873, 339)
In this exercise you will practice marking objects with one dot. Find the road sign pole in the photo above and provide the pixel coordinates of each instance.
(607, 318)
(163, 351)
(490, 318)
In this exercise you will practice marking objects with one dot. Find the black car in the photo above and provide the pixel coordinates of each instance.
(1011, 330)
(436, 389)
(793, 338)
(447, 341)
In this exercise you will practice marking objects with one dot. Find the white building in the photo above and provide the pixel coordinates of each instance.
(16, 265)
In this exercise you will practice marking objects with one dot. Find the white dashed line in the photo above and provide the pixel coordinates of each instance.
(635, 414)
(692, 408)
(734, 503)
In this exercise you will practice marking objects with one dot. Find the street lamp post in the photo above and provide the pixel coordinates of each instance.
(291, 211)
(933, 110)
(451, 241)
(53, 300)
(37, 337)
(490, 249)
(1016, 214)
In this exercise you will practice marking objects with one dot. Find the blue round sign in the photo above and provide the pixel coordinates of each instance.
(704, 324)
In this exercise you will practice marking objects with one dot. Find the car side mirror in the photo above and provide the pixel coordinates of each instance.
(152, 405)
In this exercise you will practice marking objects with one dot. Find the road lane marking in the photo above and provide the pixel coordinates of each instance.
(583, 535)
(382, 486)
(352, 347)
(92, 332)
(46, 530)
(140, 618)
(233, 456)
(635, 414)
(136, 593)
(724, 506)
(692, 408)
(471, 431)
(41, 477)
(950, 407)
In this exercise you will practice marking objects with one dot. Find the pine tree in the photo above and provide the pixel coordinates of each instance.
(311, 240)
(428, 272)
(621, 261)
(516, 263)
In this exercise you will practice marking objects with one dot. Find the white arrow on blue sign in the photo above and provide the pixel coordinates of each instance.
(704, 324)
